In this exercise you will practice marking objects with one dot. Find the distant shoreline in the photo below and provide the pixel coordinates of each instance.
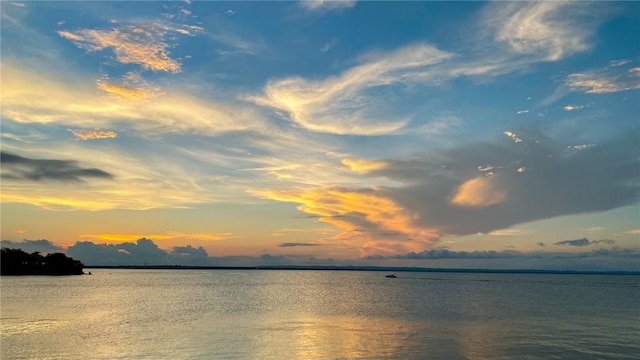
(367, 268)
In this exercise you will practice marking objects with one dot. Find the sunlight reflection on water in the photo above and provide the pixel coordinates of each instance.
(136, 314)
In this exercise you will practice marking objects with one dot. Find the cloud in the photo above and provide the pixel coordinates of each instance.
(66, 99)
(558, 181)
(604, 81)
(584, 242)
(479, 192)
(132, 44)
(449, 254)
(169, 235)
(31, 246)
(327, 5)
(15, 167)
(513, 259)
(365, 216)
(445, 192)
(146, 252)
(620, 62)
(512, 135)
(294, 244)
(543, 29)
(507, 232)
(142, 252)
(357, 101)
(573, 107)
(520, 112)
(86, 134)
(362, 166)
(188, 250)
(127, 91)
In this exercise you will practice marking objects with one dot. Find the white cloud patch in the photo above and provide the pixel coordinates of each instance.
(327, 5)
(520, 112)
(573, 107)
(513, 136)
(620, 62)
(542, 28)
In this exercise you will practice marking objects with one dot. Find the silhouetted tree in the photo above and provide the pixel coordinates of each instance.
(18, 262)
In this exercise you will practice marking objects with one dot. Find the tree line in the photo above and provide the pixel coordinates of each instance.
(18, 262)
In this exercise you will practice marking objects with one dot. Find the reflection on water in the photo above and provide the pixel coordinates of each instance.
(136, 314)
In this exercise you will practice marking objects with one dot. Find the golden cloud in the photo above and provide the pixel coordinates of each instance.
(479, 192)
(362, 166)
(127, 92)
(142, 45)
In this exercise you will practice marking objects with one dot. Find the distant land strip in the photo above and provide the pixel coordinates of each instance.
(367, 268)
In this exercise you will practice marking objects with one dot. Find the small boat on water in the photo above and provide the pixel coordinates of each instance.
(391, 276)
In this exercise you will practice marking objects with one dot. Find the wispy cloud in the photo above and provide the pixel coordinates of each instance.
(343, 104)
(604, 81)
(297, 244)
(542, 29)
(67, 100)
(132, 87)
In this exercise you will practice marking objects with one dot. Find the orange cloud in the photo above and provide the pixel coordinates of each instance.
(169, 235)
(367, 216)
(128, 92)
(479, 192)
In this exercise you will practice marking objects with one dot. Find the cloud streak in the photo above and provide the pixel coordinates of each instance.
(609, 80)
(584, 242)
(15, 167)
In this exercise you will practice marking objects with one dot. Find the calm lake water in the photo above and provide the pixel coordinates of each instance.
(215, 314)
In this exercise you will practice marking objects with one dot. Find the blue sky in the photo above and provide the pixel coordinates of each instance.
(436, 134)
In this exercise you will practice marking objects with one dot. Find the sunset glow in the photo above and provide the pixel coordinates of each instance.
(419, 134)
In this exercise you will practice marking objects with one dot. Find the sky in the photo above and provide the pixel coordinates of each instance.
(421, 134)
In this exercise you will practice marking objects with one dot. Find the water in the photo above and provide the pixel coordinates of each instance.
(215, 314)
